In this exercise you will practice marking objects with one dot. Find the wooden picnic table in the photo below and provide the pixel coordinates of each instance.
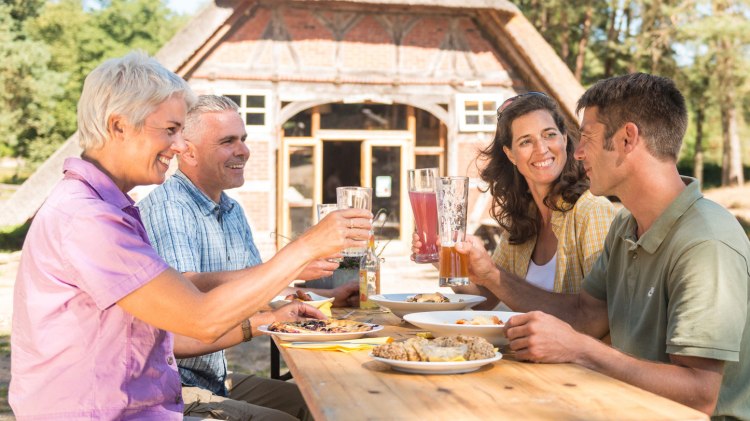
(352, 386)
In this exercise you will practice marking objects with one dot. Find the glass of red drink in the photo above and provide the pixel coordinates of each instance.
(452, 201)
(424, 205)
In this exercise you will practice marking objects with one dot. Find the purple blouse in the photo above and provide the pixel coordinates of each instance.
(75, 353)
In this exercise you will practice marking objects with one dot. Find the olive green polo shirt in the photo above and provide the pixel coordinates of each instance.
(683, 289)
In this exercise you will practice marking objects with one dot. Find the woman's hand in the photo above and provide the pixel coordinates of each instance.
(296, 310)
(339, 230)
(318, 268)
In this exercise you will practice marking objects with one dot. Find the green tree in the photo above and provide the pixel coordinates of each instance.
(30, 89)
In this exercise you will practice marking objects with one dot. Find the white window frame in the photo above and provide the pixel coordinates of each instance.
(461, 112)
(244, 109)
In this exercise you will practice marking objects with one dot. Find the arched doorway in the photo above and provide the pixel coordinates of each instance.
(362, 144)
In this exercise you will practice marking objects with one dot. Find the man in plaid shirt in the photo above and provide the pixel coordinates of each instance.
(197, 228)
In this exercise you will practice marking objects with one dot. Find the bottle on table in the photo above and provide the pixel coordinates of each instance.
(369, 277)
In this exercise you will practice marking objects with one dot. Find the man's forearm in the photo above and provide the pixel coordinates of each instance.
(696, 386)
(522, 296)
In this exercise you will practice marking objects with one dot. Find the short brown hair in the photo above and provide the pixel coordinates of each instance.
(653, 103)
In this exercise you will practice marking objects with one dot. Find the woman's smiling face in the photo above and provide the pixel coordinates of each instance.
(537, 149)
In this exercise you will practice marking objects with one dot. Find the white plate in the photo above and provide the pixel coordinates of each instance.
(317, 301)
(443, 323)
(308, 337)
(448, 367)
(397, 304)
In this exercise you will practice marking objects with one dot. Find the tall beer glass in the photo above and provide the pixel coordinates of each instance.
(452, 201)
(424, 205)
(354, 197)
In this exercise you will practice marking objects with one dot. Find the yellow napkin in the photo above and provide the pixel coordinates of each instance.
(342, 346)
(325, 308)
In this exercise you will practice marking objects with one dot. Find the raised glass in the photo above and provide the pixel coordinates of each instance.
(354, 197)
(424, 206)
(452, 201)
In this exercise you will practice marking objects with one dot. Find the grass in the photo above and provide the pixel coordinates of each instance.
(5, 356)
(11, 238)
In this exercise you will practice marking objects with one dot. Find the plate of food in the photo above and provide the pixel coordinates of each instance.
(402, 304)
(319, 330)
(309, 298)
(486, 324)
(444, 355)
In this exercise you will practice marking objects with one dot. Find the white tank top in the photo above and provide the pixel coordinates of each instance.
(542, 276)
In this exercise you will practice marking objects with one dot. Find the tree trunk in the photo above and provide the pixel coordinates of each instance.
(564, 35)
(584, 40)
(612, 33)
(700, 117)
(731, 159)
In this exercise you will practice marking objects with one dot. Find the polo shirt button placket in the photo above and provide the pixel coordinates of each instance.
(170, 360)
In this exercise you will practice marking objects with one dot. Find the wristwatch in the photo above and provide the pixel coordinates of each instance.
(247, 330)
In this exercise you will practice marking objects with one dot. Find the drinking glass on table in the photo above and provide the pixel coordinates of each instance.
(424, 205)
(452, 201)
(354, 197)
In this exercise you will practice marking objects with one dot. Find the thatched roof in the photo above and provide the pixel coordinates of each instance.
(512, 33)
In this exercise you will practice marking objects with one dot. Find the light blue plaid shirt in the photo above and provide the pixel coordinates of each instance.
(194, 234)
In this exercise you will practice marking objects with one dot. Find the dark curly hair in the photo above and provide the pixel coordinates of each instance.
(511, 199)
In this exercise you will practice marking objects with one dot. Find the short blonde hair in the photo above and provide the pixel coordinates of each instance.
(131, 86)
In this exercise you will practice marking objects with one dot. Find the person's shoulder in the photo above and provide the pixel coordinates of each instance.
(74, 198)
(708, 220)
(598, 207)
(588, 202)
(171, 192)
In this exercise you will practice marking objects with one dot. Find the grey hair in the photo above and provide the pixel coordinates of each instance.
(206, 104)
(131, 86)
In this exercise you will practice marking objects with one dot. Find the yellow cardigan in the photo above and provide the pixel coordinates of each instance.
(580, 236)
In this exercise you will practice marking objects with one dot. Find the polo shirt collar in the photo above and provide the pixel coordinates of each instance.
(205, 204)
(652, 239)
(100, 182)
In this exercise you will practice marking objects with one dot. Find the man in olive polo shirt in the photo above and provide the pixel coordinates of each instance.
(672, 284)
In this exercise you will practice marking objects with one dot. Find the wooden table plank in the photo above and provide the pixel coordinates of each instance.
(349, 386)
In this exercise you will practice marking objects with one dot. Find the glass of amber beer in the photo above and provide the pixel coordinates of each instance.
(452, 201)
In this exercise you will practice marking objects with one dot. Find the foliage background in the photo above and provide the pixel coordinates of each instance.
(47, 48)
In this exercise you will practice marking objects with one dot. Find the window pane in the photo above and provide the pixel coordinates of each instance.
(255, 119)
(256, 101)
(299, 125)
(488, 105)
(301, 174)
(428, 128)
(363, 116)
(427, 161)
(236, 98)
(301, 220)
(386, 182)
(471, 105)
(490, 119)
(472, 119)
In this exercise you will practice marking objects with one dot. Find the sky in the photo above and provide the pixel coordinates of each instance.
(186, 6)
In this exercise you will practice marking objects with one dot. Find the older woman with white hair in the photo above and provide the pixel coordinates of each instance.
(94, 304)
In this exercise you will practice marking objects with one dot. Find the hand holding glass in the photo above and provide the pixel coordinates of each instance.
(354, 197)
(424, 205)
(452, 201)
